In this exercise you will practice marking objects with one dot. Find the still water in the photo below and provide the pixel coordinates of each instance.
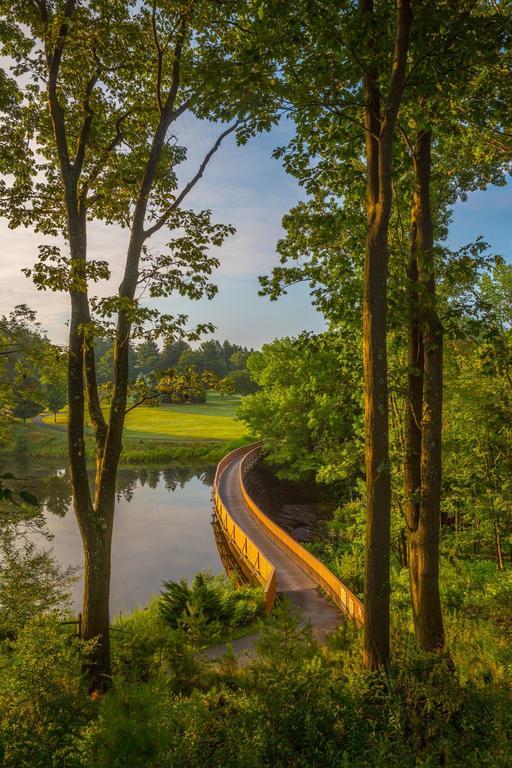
(162, 528)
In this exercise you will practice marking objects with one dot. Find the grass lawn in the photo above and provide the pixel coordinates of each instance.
(213, 420)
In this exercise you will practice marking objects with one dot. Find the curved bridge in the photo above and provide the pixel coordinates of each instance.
(267, 554)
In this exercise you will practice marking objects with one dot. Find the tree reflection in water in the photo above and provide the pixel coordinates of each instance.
(54, 493)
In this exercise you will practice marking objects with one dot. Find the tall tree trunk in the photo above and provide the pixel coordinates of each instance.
(378, 479)
(500, 558)
(97, 545)
(380, 120)
(426, 342)
(95, 524)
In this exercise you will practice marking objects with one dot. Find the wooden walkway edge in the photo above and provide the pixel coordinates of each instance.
(277, 561)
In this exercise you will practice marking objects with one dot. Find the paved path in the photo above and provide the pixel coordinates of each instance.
(243, 649)
(291, 580)
(38, 420)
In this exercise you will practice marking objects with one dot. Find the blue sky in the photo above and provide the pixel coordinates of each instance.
(246, 187)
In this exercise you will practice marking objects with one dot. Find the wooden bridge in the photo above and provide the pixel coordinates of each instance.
(266, 554)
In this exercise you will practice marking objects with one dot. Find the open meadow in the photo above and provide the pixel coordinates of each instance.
(213, 420)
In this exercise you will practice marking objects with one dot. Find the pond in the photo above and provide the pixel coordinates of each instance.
(162, 528)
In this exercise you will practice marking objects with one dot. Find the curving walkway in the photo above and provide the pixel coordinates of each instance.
(291, 579)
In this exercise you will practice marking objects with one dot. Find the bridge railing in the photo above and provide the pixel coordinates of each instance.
(248, 553)
(319, 572)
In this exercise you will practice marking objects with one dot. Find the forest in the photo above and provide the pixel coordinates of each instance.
(391, 427)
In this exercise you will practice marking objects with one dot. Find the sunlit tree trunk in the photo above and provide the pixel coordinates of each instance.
(380, 121)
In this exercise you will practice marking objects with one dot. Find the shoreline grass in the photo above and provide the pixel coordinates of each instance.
(34, 442)
(202, 432)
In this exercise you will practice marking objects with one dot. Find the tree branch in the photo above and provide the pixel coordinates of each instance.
(191, 184)
(142, 400)
(86, 127)
(159, 55)
(101, 162)
(54, 59)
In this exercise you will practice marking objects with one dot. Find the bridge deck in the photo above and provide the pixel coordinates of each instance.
(291, 580)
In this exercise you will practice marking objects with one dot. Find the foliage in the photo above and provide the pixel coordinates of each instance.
(309, 406)
(299, 704)
(32, 583)
(32, 369)
(242, 382)
(44, 701)
(295, 702)
(209, 599)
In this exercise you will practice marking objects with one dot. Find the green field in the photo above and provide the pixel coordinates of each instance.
(213, 420)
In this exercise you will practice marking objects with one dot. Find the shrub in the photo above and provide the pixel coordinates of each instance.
(211, 599)
(43, 701)
(127, 731)
(139, 643)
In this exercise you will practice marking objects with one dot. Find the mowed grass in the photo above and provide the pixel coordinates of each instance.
(213, 420)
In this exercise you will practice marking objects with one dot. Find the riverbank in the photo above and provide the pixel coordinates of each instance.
(202, 432)
(41, 441)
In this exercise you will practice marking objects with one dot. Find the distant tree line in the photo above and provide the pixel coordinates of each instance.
(33, 369)
(224, 359)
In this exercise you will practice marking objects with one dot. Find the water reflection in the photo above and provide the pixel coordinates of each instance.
(162, 527)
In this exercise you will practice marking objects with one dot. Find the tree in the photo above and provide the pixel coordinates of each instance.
(177, 386)
(30, 366)
(353, 62)
(442, 170)
(171, 354)
(100, 111)
(324, 70)
(242, 382)
(478, 405)
(54, 380)
(213, 355)
(380, 121)
(26, 403)
(147, 357)
(309, 406)
(191, 358)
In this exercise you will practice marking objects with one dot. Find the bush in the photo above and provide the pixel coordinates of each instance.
(210, 599)
(127, 732)
(32, 583)
(139, 644)
(44, 701)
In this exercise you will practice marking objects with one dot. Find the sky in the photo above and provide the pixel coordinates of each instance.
(245, 187)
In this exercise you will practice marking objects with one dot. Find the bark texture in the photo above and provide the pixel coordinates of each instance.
(422, 471)
(380, 122)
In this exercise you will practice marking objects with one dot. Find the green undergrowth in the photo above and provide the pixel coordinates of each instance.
(294, 704)
(476, 600)
(209, 610)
